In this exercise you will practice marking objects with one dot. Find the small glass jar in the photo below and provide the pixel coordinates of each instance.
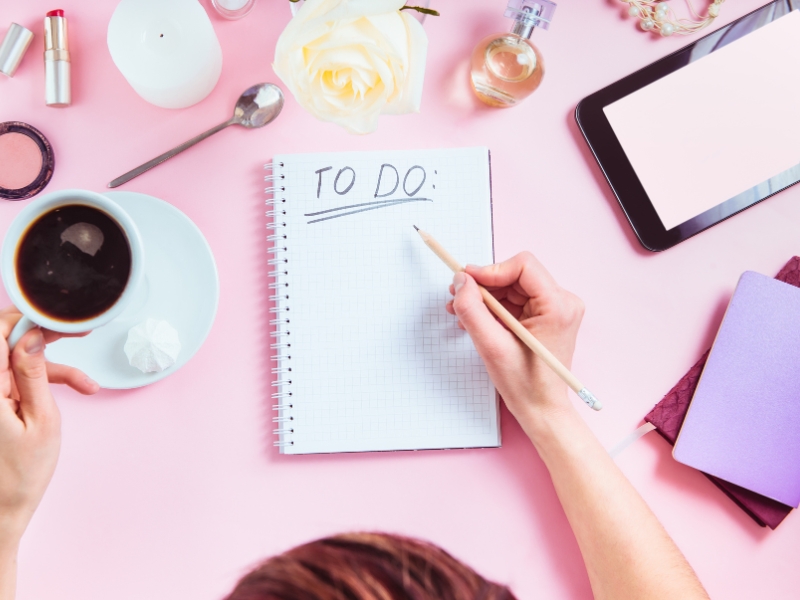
(233, 9)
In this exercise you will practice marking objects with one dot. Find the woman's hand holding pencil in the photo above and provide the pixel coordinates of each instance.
(551, 313)
(527, 356)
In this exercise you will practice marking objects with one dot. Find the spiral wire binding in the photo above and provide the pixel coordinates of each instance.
(279, 288)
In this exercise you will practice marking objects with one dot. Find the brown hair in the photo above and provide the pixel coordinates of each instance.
(366, 566)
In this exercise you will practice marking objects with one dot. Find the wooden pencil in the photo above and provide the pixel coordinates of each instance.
(515, 326)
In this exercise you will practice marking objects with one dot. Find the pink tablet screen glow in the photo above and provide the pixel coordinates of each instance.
(717, 127)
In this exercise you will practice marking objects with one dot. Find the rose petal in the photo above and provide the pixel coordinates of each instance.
(411, 98)
(349, 9)
(348, 61)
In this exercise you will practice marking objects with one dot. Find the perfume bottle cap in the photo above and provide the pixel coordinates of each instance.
(531, 13)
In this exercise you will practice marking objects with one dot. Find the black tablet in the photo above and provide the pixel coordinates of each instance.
(700, 135)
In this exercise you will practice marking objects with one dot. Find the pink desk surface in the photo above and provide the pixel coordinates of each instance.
(172, 491)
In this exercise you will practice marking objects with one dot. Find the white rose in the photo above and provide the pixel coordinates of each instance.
(348, 61)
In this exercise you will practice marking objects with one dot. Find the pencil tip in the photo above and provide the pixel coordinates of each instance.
(415, 227)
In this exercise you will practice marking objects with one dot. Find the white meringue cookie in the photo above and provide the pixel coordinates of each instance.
(152, 346)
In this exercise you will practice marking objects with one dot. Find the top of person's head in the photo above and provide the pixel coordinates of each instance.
(366, 566)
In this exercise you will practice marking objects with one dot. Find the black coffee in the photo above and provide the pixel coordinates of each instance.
(73, 263)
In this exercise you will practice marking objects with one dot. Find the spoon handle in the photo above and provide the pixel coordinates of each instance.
(176, 150)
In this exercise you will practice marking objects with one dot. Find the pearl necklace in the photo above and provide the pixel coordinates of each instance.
(657, 17)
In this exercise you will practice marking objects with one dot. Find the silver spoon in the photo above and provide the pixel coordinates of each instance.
(256, 107)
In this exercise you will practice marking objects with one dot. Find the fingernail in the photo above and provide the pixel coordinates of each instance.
(35, 344)
(92, 384)
(459, 279)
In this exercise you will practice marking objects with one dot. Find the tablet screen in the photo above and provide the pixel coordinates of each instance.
(718, 127)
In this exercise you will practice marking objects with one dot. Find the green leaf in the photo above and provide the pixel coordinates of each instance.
(420, 9)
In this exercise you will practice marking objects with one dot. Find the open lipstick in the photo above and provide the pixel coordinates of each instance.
(58, 90)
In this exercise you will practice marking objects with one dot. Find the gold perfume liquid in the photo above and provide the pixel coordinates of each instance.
(506, 69)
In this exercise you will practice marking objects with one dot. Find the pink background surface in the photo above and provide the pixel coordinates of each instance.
(172, 491)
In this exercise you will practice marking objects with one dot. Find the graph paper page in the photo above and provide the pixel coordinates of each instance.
(376, 362)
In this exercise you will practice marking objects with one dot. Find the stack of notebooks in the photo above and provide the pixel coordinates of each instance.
(735, 415)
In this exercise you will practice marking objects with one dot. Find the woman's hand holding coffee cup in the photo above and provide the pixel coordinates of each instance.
(54, 372)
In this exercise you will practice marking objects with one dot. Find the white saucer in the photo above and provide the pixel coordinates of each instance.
(181, 286)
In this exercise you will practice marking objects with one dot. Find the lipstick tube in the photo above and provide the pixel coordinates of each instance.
(58, 89)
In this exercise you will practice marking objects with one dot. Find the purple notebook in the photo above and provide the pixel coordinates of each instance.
(742, 425)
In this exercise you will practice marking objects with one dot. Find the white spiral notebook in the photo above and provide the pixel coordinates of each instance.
(365, 356)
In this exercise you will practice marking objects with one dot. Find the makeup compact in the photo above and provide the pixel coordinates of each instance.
(26, 161)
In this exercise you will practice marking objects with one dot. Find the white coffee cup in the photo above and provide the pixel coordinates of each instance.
(33, 317)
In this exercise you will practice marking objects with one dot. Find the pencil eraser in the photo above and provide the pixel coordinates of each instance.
(589, 398)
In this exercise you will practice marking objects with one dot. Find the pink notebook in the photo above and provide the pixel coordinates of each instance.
(742, 425)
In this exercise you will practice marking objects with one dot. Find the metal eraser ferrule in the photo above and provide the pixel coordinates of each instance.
(590, 400)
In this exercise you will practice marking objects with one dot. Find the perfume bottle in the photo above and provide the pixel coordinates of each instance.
(507, 67)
